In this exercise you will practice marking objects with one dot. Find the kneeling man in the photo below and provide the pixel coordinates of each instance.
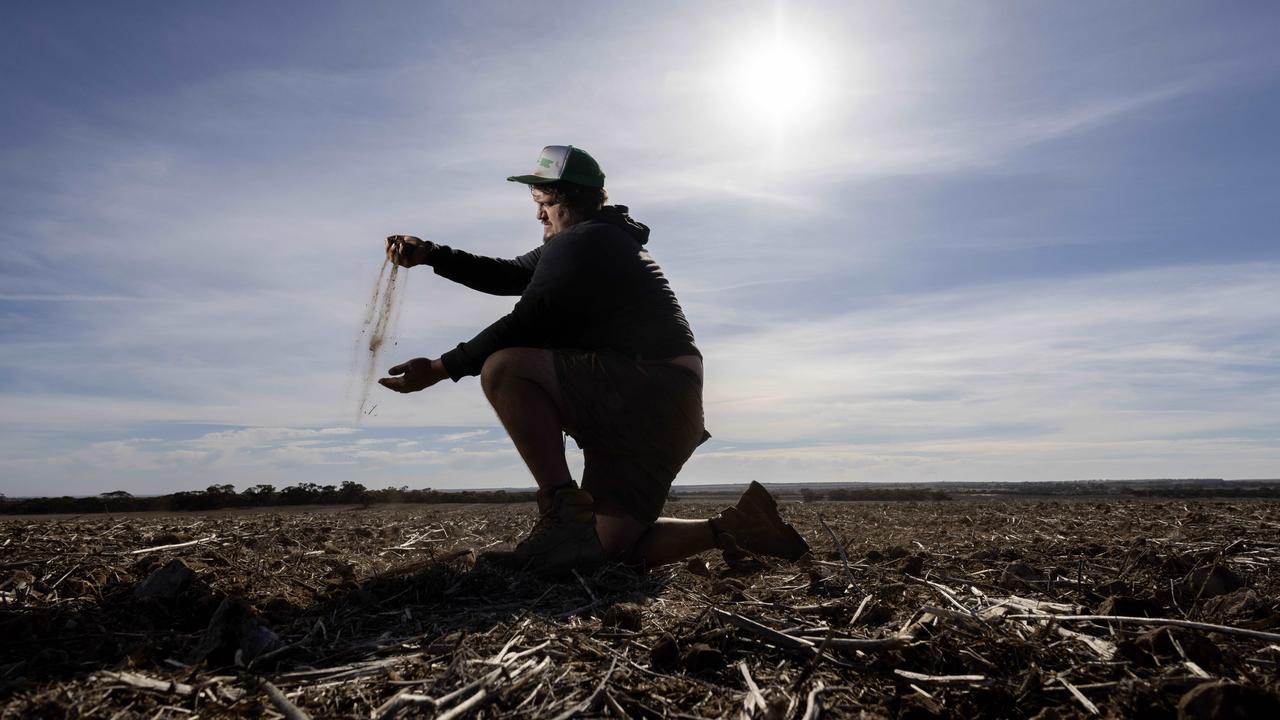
(597, 347)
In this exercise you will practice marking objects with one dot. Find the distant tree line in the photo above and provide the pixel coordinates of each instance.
(217, 497)
(1150, 488)
(1168, 488)
(1257, 491)
(811, 495)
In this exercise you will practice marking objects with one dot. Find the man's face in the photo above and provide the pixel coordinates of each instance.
(553, 215)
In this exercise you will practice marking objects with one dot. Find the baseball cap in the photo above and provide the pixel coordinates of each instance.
(564, 163)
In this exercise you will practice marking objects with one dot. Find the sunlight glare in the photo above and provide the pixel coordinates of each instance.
(776, 82)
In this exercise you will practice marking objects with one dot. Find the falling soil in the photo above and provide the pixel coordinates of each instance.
(380, 320)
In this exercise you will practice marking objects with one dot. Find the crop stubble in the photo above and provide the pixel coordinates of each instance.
(380, 612)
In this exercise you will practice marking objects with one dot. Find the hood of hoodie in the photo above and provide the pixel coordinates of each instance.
(616, 215)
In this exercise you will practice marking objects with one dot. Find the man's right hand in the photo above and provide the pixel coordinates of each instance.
(407, 250)
(414, 375)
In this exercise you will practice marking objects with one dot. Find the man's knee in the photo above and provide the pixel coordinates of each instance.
(620, 536)
(494, 370)
(531, 364)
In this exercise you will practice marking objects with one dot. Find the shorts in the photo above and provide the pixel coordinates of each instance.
(637, 422)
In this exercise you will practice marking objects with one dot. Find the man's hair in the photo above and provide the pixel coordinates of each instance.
(581, 201)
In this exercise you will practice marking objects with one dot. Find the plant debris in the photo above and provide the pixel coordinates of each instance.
(973, 608)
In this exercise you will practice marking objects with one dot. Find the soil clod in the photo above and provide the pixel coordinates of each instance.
(166, 583)
(1227, 701)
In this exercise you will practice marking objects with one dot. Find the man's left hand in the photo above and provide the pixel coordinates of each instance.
(414, 375)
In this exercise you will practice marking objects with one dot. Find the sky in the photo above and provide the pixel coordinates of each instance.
(916, 241)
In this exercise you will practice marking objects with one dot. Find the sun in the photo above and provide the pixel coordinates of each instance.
(776, 82)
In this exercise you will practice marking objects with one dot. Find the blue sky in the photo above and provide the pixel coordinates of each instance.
(942, 241)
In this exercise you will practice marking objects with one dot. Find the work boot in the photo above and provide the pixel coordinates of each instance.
(754, 525)
(564, 538)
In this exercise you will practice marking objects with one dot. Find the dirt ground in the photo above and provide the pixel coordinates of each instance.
(967, 608)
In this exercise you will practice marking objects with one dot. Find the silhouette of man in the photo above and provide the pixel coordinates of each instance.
(598, 347)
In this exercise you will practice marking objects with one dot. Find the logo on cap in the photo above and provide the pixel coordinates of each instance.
(563, 162)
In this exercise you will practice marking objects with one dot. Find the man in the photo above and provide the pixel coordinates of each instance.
(597, 347)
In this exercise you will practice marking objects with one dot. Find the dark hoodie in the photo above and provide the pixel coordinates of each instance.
(591, 287)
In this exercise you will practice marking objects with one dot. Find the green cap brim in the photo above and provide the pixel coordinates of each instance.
(531, 179)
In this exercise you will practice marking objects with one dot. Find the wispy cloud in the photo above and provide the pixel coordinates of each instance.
(1130, 362)
(1008, 246)
(77, 298)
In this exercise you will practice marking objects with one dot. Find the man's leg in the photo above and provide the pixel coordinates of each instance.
(668, 540)
(752, 525)
(521, 385)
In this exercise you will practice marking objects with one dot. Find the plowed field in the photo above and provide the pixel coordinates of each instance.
(967, 608)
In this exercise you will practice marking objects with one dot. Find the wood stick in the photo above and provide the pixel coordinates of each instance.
(23, 563)
(1184, 680)
(1104, 648)
(515, 638)
(174, 546)
(753, 699)
(147, 683)
(813, 705)
(858, 613)
(946, 593)
(614, 706)
(1208, 627)
(591, 699)
(940, 679)
(466, 706)
(590, 593)
(1086, 702)
(490, 677)
(773, 637)
(844, 556)
(282, 703)
(516, 656)
(391, 708)
(889, 643)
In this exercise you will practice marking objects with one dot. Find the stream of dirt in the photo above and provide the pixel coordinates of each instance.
(381, 317)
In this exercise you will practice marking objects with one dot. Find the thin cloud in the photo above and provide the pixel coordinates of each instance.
(81, 298)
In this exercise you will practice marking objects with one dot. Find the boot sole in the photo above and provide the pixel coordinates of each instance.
(758, 502)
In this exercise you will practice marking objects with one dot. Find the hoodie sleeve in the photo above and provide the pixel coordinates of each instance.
(495, 276)
(556, 296)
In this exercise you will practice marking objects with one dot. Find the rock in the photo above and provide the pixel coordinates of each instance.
(896, 551)
(623, 616)
(234, 634)
(701, 657)
(734, 589)
(741, 564)
(18, 580)
(698, 566)
(446, 644)
(1019, 574)
(1126, 606)
(1162, 643)
(875, 614)
(166, 583)
(912, 565)
(1208, 581)
(1222, 700)
(1243, 604)
(1176, 564)
(665, 653)
(817, 583)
